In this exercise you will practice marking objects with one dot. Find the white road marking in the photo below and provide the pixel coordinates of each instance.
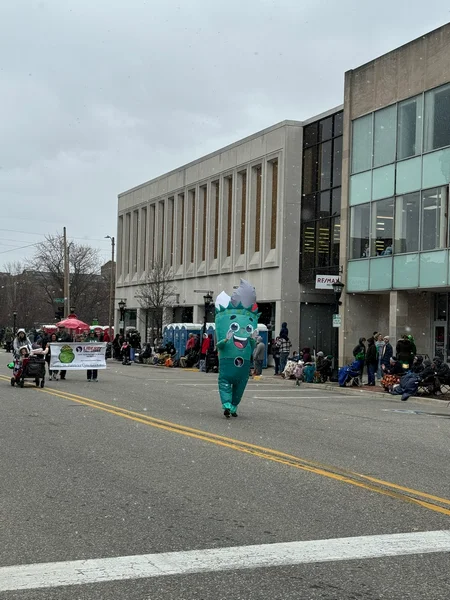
(81, 572)
(292, 397)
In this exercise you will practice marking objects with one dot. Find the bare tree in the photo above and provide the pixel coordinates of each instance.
(88, 290)
(156, 294)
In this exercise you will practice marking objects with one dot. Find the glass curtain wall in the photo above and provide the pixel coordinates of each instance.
(321, 197)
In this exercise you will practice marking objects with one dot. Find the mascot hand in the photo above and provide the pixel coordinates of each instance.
(229, 334)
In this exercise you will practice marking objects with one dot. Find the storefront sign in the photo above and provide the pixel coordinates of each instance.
(325, 282)
(77, 356)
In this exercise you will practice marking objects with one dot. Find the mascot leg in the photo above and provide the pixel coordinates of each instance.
(238, 391)
(225, 392)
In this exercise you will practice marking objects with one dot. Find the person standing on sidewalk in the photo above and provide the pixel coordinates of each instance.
(276, 355)
(63, 336)
(258, 355)
(91, 374)
(371, 360)
(379, 343)
(285, 349)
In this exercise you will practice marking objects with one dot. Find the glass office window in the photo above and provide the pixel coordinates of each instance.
(362, 144)
(310, 134)
(323, 243)
(338, 124)
(382, 227)
(336, 202)
(308, 250)
(434, 230)
(409, 127)
(310, 170)
(335, 240)
(436, 168)
(309, 203)
(324, 204)
(337, 162)
(409, 175)
(407, 219)
(383, 183)
(325, 129)
(385, 130)
(437, 121)
(359, 231)
(325, 165)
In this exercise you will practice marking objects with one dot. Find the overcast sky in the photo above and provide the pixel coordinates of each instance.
(97, 96)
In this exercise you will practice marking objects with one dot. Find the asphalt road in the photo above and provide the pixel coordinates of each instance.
(143, 462)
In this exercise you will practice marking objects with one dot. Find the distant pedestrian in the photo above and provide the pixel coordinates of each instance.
(203, 352)
(284, 331)
(298, 372)
(276, 355)
(285, 346)
(258, 355)
(386, 354)
(63, 336)
(51, 372)
(371, 361)
(404, 351)
(379, 343)
(306, 354)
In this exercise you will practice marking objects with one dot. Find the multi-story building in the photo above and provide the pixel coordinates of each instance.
(234, 213)
(395, 202)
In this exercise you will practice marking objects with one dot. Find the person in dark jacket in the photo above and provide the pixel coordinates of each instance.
(386, 353)
(404, 350)
(417, 366)
(395, 367)
(371, 360)
(276, 355)
(306, 354)
(407, 387)
(63, 336)
(359, 351)
(284, 331)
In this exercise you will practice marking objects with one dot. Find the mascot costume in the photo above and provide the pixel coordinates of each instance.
(236, 330)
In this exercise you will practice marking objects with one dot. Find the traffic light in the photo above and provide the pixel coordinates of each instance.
(59, 314)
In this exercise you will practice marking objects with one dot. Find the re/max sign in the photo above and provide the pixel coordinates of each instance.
(325, 282)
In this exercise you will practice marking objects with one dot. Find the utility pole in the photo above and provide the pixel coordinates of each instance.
(111, 288)
(66, 277)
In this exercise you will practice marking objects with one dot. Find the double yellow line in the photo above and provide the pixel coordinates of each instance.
(379, 486)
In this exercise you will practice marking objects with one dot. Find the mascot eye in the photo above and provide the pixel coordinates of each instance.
(234, 326)
(249, 329)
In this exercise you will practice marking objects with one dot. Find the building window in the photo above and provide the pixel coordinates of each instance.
(407, 222)
(243, 188)
(323, 243)
(359, 231)
(192, 218)
(324, 204)
(181, 198)
(409, 128)
(326, 129)
(310, 169)
(274, 205)
(216, 194)
(172, 227)
(309, 204)
(325, 155)
(382, 227)
(336, 202)
(161, 229)
(144, 238)
(362, 144)
(204, 191)
(338, 124)
(385, 134)
(127, 243)
(434, 226)
(257, 171)
(437, 122)
(335, 240)
(153, 234)
(119, 246)
(229, 184)
(337, 162)
(308, 250)
(311, 134)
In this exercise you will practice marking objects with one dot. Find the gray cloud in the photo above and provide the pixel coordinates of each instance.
(96, 97)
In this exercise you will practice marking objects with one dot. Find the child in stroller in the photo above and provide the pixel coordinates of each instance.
(29, 364)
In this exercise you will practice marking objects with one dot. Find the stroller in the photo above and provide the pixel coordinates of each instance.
(350, 373)
(32, 367)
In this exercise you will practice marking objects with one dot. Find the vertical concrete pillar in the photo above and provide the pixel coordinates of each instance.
(398, 315)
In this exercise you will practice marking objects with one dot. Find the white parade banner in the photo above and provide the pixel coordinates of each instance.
(77, 356)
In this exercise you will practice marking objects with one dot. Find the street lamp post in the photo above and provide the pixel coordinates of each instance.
(338, 286)
(122, 305)
(207, 299)
(14, 322)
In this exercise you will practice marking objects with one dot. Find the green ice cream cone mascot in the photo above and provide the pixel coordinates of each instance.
(236, 330)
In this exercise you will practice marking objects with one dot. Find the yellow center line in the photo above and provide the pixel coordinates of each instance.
(369, 483)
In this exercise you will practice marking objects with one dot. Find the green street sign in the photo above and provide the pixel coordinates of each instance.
(59, 300)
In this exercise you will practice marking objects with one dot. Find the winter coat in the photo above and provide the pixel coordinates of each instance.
(205, 345)
(260, 350)
(284, 331)
(408, 386)
(19, 343)
(442, 370)
(386, 355)
(359, 351)
(306, 354)
(418, 366)
(371, 355)
(404, 351)
(395, 369)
